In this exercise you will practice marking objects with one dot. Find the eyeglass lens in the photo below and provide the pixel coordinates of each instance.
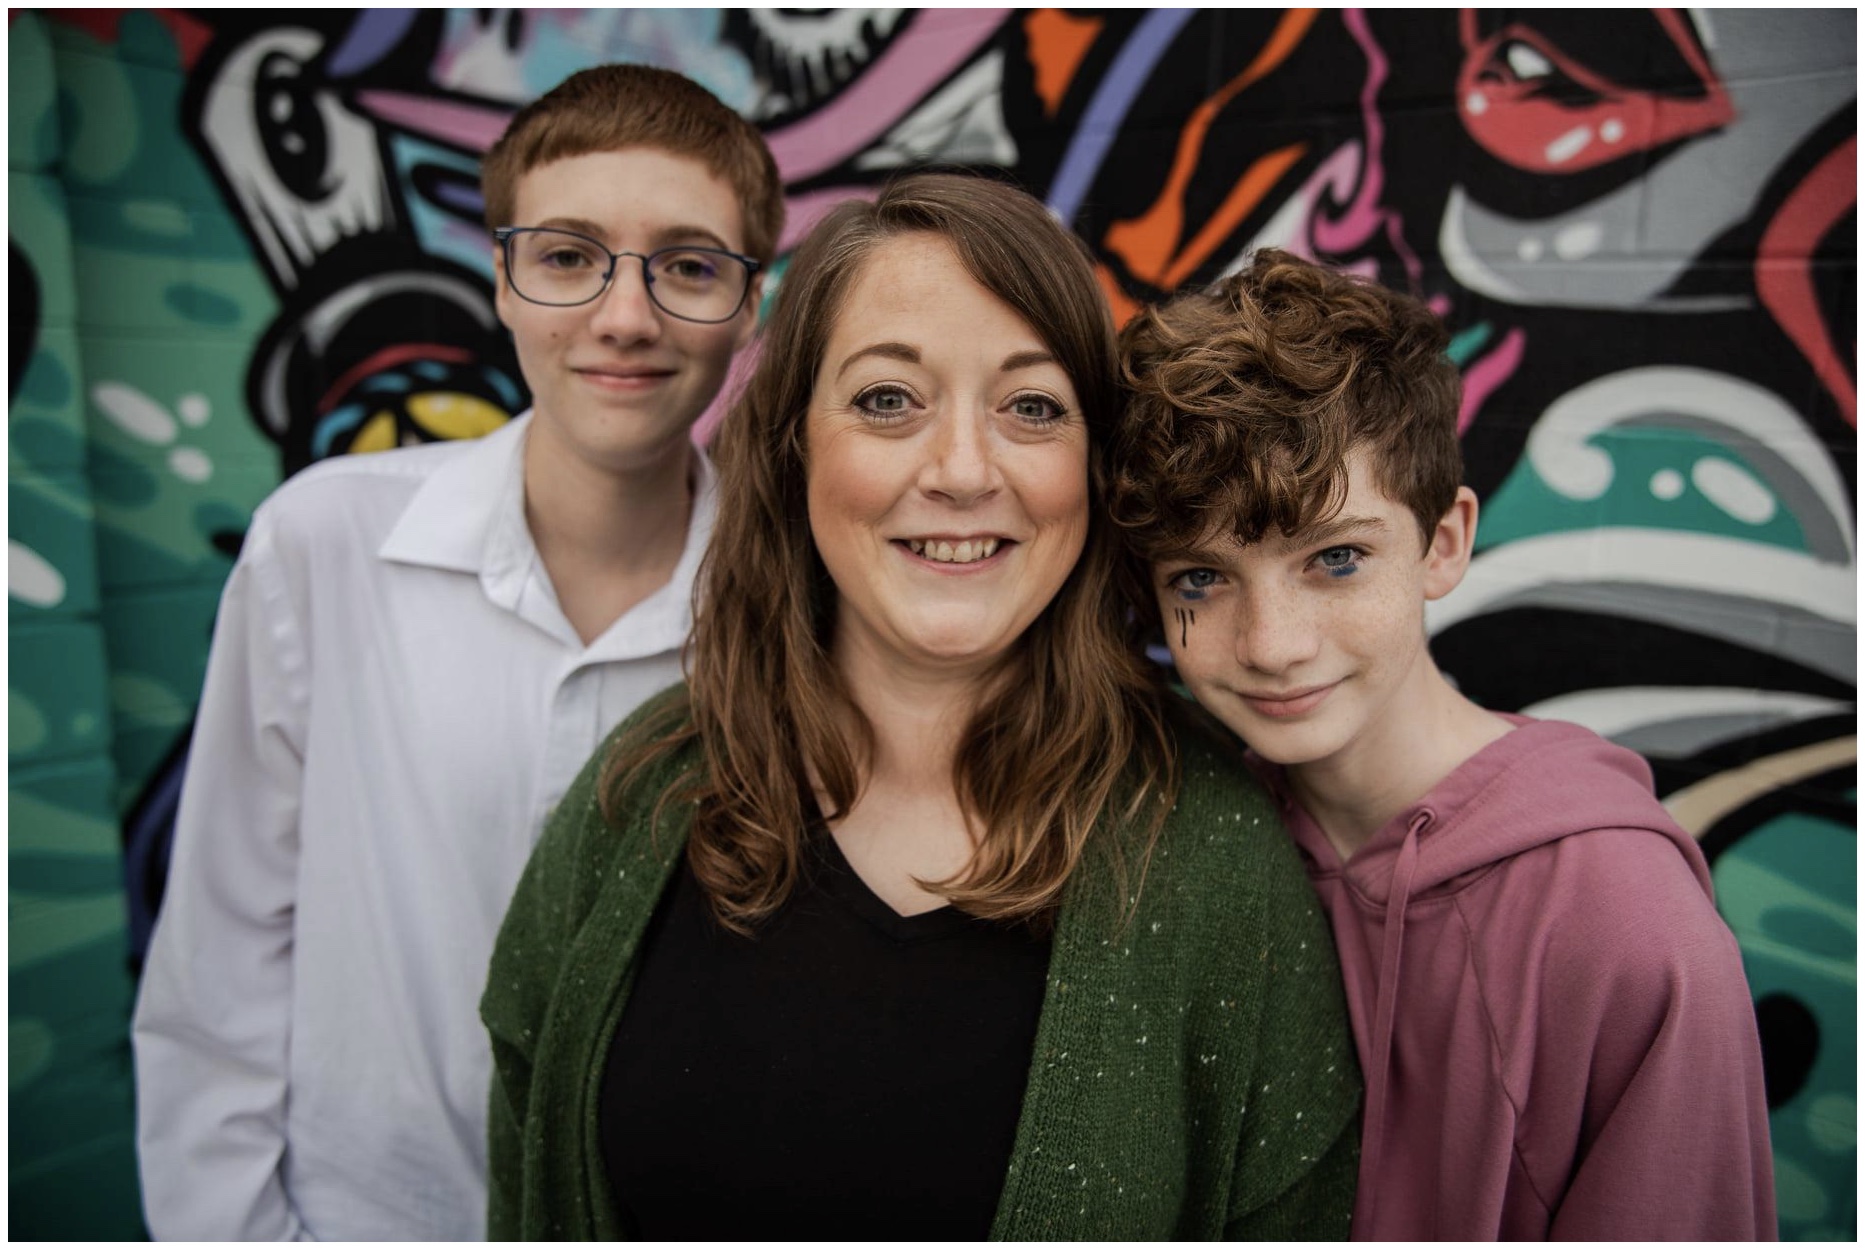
(556, 267)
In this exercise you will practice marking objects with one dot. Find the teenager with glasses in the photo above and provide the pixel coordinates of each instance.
(415, 653)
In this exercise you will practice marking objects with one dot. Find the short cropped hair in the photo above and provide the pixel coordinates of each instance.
(1245, 400)
(625, 106)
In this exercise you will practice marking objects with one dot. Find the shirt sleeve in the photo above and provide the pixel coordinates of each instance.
(212, 1025)
(1674, 1135)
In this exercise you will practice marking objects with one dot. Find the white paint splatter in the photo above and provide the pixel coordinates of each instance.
(134, 413)
(30, 577)
(190, 464)
(1579, 240)
(1569, 145)
(1733, 489)
(1667, 484)
(1526, 62)
(194, 410)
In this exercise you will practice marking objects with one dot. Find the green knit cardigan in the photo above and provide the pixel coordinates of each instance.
(1193, 1076)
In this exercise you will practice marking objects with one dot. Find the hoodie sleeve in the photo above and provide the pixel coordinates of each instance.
(1674, 1129)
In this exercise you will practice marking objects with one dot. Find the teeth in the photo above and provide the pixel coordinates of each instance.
(968, 551)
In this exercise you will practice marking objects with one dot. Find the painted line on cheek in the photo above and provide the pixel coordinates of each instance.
(1187, 618)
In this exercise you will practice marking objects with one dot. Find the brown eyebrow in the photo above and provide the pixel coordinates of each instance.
(887, 351)
(1211, 551)
(1025, 360)
(1339, 527)
(911, 355)
(672, 236)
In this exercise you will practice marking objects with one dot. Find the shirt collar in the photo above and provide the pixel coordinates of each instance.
(464, 504)
(469, 517)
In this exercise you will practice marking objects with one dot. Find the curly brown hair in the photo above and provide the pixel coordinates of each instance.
(626, 106)
(1072, 730)
(1246, 398)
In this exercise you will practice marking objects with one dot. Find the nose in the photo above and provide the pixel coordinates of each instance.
(961, 467)
(1278, 632)
(625, 313)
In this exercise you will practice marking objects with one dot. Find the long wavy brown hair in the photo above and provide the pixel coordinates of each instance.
(1069, 738)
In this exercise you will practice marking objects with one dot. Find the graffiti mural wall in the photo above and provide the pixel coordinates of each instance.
(240, 242)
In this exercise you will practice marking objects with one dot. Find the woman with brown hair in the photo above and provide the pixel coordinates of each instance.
(917, 913)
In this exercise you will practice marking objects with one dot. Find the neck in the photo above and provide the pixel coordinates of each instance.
(1429, 731)
(917, 714)
(608, 537)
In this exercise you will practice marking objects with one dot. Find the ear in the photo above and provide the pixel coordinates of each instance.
(748, 315)
(1448, 556)
(501, 289)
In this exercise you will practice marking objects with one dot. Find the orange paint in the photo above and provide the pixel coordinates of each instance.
(1119, 302)
(1148, 243)
(1257, 181)
(1058, 41)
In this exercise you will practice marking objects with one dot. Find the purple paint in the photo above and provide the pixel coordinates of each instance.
(1108, 108)
(938, 43)
(371, 37)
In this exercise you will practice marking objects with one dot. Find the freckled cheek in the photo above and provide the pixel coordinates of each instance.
(850, 485)
(1052, 482)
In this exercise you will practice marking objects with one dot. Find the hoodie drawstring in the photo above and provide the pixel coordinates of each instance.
(1373, 1136)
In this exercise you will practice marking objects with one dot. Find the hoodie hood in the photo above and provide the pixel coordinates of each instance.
(1544, 781)
(1538, 784)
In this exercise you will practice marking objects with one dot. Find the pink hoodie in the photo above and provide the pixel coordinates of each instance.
(1553, 1023)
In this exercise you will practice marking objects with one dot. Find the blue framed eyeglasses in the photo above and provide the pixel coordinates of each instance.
(561, 268)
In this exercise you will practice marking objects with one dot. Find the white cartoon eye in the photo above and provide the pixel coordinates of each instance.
(804, 56)
(305, 170)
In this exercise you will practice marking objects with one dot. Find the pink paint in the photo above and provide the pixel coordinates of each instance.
(1363, 218)
(735, 378)
(939, 41)
(469, 127)
(802, 212)
(1482, 378)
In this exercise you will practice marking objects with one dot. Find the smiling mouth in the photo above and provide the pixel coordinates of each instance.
(625, 377)
(944, 551)
(1294, 703)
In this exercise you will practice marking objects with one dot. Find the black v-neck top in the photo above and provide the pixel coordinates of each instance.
(847, 1074)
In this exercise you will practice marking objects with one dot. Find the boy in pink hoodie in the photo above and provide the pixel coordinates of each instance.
(1553, 1022)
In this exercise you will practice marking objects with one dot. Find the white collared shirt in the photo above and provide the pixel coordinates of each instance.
(393, 704)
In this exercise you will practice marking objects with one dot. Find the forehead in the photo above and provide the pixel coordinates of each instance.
(914, 287)
(639, 189)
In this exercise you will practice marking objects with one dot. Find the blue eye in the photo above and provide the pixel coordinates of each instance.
(1339, 561)
(1193, 583)
(1037, 409)
(883, 402)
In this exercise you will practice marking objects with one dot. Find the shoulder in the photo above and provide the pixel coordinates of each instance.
(1628, 893)
(356, 497)
(623, 782)
(1612, 932)
(1223, 826)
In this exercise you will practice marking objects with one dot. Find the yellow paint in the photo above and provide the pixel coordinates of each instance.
(447, 414)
